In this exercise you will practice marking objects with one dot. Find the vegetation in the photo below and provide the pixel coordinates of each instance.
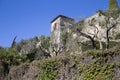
(65, 37)
(113, 5)
(12, 57)
(93, 71)
(102, 66)
(117, 36)
(48, 70)
(91, 65)
(45, 41)
(94, 63)
(25, 51)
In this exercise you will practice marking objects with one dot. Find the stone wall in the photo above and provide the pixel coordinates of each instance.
(59, 25)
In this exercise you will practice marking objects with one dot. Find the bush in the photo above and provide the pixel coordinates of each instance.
(12, 57)
(113, 5)
(45, 41)
(48, 70)
(64, 38)
(3, 54)
(98, 72)
(117, 36)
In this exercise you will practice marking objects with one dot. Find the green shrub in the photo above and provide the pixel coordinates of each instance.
(3, 54)
(117, 36)
(65, 36)
(12, 57)
(48, 70)
(86, 46)
(80, 68)
(112, 44)
(113, 5)
(45, 41)
(101, 72)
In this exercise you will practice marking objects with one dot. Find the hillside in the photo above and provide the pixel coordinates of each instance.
(84, 50)
(91, 65)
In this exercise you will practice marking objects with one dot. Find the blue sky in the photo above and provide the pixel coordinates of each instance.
(29, 18)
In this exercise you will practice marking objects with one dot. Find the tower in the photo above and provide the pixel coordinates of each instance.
(59, 24)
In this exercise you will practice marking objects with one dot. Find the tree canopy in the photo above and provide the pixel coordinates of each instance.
(113, 5)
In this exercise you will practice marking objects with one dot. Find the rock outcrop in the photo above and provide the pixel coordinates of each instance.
(24, 72)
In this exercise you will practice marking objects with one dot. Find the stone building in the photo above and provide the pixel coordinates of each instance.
(59, 24)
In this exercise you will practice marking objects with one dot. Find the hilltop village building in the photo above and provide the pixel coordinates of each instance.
(59, 24)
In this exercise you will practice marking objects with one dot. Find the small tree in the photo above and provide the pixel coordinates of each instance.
(45, 41)
(113, 5)
(109, 24)
(88, 34)
(89, 37)
(13, 42)
(56, 49)
(44, 45)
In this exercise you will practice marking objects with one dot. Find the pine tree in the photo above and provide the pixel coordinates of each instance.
(113, 5)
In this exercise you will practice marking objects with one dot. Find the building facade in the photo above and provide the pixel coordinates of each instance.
(59, 24)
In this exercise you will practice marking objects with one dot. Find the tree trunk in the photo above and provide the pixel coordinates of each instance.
(107, 39)
(13, 42)
(88, 36)
(101, 46)
(93, 43)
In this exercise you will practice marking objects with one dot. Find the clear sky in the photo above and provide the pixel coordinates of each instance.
(29, 18)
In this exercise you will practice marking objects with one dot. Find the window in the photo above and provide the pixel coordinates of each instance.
(55, 25)
(62, 24)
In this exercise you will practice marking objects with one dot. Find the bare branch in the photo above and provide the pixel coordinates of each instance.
(43, 48)
(87, 36)
(109, 24)
(57, 50)
(82, 43)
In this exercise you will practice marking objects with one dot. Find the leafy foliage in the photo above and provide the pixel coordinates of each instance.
(87, 45)
(12, 57)
(102, 68)
(117, 36)
(99, 67)
(65, 37)
(48, 70)
(113, 5)
(26, 46)
(45, 41)
(94, 71)
(114, 14)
